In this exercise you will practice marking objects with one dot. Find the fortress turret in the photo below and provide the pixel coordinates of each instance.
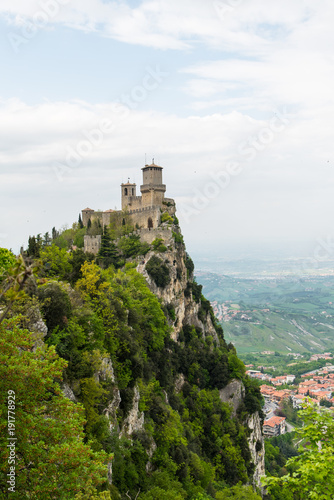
(152, 189)
(128, 194)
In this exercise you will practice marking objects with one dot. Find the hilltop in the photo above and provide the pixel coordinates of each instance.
(160, 387)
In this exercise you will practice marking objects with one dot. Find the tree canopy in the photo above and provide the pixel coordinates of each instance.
(311, 474)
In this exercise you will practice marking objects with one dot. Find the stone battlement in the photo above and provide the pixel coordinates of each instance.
(144, 211)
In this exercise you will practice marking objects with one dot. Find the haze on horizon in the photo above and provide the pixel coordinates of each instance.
(232, 98)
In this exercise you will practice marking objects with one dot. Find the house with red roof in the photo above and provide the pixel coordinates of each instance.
(275, 426)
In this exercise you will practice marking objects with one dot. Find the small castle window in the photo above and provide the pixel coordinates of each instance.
(133, 191)
(150, 223)
(126, 191)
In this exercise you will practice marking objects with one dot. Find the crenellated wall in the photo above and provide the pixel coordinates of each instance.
(92, 244)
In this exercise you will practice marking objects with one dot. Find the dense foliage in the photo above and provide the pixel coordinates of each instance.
(310, 474)
(111, 337)
(50, 454)
(278, 450)
(7, 260)
(158, 271)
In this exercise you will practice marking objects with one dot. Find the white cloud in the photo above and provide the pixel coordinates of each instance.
(276, 190)
(247, 27)
(262, 56)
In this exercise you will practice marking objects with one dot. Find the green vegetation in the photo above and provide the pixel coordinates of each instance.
(310, 474)
(165, 217)
(158, 245)
(178, 238)
(279, 364)
(277, 451)
(108, 254)
(131, 246)
(109, 342)
(283, 314)
(189, 265)
(51, 455)
(7, 260)
(286, 409)
(158, 271)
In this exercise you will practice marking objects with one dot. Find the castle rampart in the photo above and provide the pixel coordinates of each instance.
(144, 211)
(92, 243)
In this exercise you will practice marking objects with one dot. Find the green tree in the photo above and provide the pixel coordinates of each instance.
(47, 240)
(311, 473)
(158, 271)
(131, 246)
(7, 260)
(108, 254)
(55, 305)
(13, 284)
(34, 246)
(56, 261)
(52, 460)
(238, 492)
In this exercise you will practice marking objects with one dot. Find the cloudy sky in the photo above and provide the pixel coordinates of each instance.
(233, 98)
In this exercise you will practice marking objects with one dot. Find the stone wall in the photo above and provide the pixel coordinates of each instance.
(92, 244)
(131, 202)
(148, 236)
(141, 216)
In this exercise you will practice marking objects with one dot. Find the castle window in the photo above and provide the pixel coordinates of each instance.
(150, 223)
(126, 191)
(133, 191)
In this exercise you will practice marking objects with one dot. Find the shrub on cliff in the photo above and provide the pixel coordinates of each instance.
(158, 271)
(131, 246)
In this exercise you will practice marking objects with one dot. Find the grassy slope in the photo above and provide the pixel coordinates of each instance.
(296, 320)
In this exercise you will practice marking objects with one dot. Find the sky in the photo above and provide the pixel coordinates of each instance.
(233, 98)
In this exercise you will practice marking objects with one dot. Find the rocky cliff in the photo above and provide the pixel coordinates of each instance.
(161, 388)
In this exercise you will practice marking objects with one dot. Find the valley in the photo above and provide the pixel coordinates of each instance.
(285, 314)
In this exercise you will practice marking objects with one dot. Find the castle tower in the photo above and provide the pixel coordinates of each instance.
(152, 189)
(87, 214)
(128, 192)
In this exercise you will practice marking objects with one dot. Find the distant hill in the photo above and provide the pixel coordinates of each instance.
(283, 314)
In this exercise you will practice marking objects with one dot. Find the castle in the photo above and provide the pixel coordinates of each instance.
(144, 211)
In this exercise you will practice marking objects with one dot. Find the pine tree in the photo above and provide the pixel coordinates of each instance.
(55, 233)
(47, 240)
(32, 250)
(108, 253)
(80, 222)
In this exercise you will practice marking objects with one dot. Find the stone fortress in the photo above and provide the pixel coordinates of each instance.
(144, 211)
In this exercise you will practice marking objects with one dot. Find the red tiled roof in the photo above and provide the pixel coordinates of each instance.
(274, 421)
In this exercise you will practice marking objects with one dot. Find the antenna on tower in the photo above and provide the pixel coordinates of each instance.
(145, 159)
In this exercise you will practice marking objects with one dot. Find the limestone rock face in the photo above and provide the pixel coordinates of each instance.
(105, 371)
(68, 392)
(39, 327)
(135, 420)
(256, 447)
(111, 410)
(179, 382)
(233, 394)
(175, 294)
